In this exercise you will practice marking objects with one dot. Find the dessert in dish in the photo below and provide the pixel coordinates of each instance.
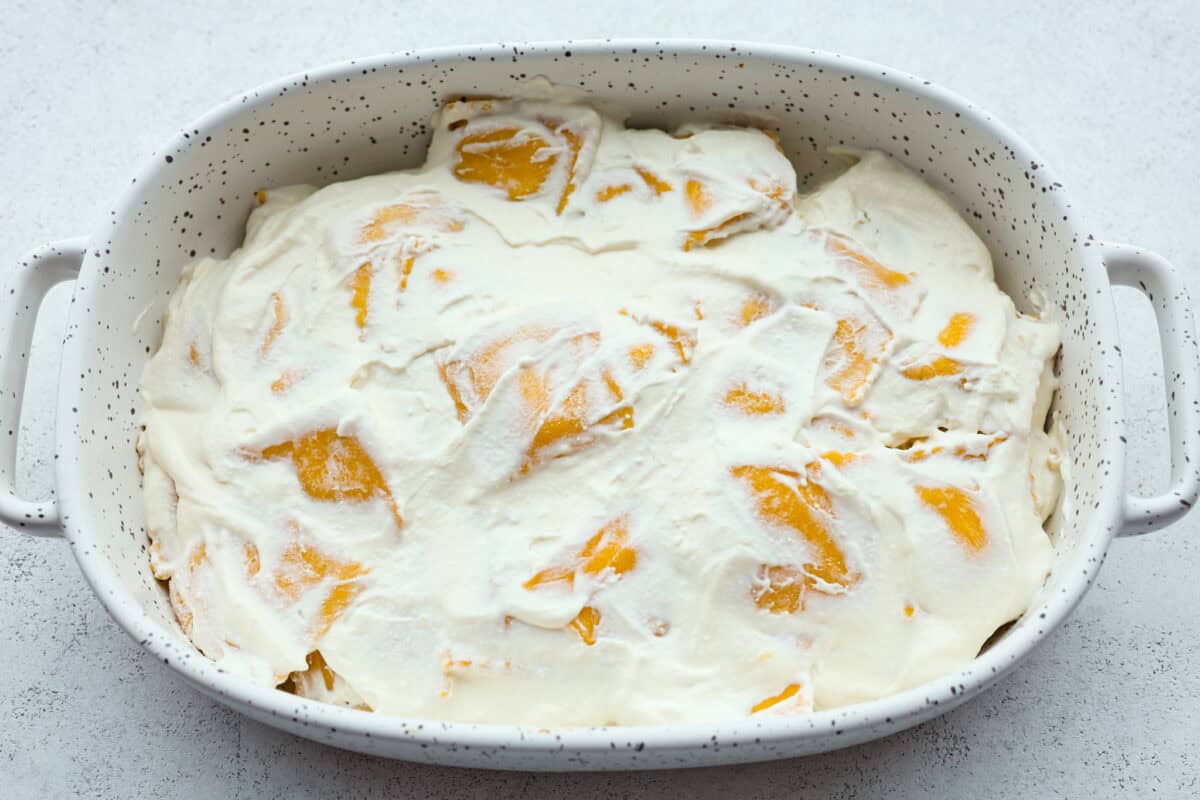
(578, 424)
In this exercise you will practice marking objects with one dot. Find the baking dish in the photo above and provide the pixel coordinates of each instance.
(368, 116)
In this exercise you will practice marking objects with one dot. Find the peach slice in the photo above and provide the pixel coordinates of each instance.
(755, 307)
(786, 499)
(956, 330)
(304, 568)
(656, 183)
(574, 145)
(697, 197)
(279, 320)
(424, 209)
(790, 691)
(853, 357)
(333, 468)
(752, 403)
(585, 624)
(609, 192)
(505, 158)
(957, 509)
(360, 287)
(869, 272)
(606, 552)
(939, 367)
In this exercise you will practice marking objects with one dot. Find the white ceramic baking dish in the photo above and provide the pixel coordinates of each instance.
(368, 116)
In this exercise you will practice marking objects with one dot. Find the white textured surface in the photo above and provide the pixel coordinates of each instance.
(1109, 704)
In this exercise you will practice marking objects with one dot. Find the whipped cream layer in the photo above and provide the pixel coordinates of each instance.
(578, 424)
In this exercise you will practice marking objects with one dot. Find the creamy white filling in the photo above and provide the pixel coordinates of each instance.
(578, 424)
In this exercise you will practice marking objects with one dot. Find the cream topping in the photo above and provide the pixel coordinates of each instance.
(578, 424)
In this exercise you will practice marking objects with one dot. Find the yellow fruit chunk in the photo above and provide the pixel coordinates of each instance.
(852, 360)
(918, 454)
(754, 308)
(839, 458)
(973, 453)
(333, 469)
(279, 320)
(253, 564)
(609, 192)
(774, 191)
(709, 236)
(956, 330)
(697, 197)
(606, 550)
(470, 379)
(787, 499)
(779, 589)
(753, 403)
(316, 664)
(909, 610)
(825, 422)
(640, 355)
(585, 624)
(193, 355)
(788, 693)
(684, 342)
(653, 181)
(574, 145)
(303, 568)
(505, 158)
(940, 367)
(958, 510)
(183, 609)
(261, 197)
(360, 287)
(442, 276)
(425, 210)
(869, 272)
(285, 381)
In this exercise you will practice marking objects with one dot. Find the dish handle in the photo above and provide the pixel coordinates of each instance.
(1153, 276)
(21, 298)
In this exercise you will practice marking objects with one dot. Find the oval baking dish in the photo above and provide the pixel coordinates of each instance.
(363, 117)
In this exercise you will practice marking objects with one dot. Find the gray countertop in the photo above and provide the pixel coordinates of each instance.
(1106, 92)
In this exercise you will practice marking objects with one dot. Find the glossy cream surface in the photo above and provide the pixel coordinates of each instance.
(578, 424)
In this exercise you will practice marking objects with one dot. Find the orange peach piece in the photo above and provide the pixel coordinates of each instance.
(872, 273)
(754, 308)
(506, 159)
(956, 330)
(958, 511)
(697, 197)
(640, 355)
(360, 287)
(606, 550)
(653, 181)
(790, 691)
(285, 381)
(851, 364)
(279, 320)
(585, 624)
(753, 403)
(938, 368)
(574, 145)
(609, 192)
(800, 504)
(709, 236)
(333, 468)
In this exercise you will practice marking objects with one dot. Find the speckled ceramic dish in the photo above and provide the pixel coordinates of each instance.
(369, 116)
